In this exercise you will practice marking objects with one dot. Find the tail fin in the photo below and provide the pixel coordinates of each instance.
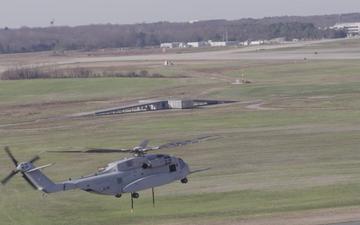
(43, 183)
(34, 176)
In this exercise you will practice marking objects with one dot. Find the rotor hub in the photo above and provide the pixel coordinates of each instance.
(24, 167)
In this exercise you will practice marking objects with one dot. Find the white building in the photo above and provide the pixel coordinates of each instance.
(245, 43)
(183, 45)
(259, 42)
(277, 40)
(352, 29)
(218, 43)
(167, 45)
(198, 44)
(173, 45)
(222, 43)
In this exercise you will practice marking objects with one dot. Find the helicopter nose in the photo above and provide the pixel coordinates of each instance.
(187, 168)
(184, 166)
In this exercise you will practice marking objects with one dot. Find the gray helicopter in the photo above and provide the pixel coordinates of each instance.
(130, 175)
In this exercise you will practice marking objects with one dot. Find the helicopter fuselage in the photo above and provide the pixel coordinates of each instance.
(125, 176)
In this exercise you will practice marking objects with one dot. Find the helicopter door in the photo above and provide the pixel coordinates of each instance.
(172, 168)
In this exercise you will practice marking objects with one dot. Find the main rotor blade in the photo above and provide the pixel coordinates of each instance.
(8, 152)
(65, 151)
(8, 177)
(29, 181)
(144, 144)
(182, 143)
(36, 158)
(107, 150)
(95, 150)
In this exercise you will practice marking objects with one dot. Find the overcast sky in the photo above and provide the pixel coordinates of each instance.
(16, 13)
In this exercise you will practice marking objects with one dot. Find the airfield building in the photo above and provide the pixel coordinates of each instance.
(198, 44)
(170, 45)
(352, 29)
(174, 45)
(222, 43)
(258, 42)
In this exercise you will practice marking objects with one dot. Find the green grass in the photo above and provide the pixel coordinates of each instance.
(292, 90)
(206, 207)
(300, 157)
(29, 91)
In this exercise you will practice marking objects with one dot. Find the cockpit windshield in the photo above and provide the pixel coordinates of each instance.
(182, 163)
(101, 169)
(107, 169)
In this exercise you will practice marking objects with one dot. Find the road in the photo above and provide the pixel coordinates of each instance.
(347, 223)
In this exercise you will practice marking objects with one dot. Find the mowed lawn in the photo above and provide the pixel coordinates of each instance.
(37, 91)
(299, 152)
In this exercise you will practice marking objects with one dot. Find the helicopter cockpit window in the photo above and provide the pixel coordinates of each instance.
(172, 168)
(101, 169)
(107, 169)
(129, 163)
(151, 157)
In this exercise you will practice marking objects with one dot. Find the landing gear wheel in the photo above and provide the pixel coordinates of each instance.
(184, 181)
(145, 166)
(118, 196)
(135, 195)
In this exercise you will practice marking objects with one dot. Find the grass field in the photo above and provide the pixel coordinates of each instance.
(297, 152)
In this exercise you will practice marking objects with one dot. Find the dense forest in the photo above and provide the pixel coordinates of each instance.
(152, 34)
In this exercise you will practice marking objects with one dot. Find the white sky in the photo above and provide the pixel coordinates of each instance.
(16, 13)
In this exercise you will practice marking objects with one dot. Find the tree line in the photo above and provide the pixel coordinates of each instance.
(29, 73)
(92, 37)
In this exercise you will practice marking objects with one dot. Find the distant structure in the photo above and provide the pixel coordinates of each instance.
(210, 43)
(198, 44)
(258, 42)
(169, 45)
(154, 105)
(242, 81)
(237, 81)
(173, 45)
(223, 43)
(193, 21)
(352, 29)
(168, 63)
(218, 43)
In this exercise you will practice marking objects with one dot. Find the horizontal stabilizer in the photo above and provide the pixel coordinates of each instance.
(40, 167)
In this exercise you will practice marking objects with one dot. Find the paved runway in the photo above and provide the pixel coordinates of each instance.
(348, 223)
(236, 54)
(293, 51)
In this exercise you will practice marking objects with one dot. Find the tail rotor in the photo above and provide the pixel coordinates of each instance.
(19, 168)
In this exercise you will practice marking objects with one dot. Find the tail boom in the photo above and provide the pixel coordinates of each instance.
(43, 183)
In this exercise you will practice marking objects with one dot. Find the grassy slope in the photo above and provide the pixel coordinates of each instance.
(303, 156)
(32, 91)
